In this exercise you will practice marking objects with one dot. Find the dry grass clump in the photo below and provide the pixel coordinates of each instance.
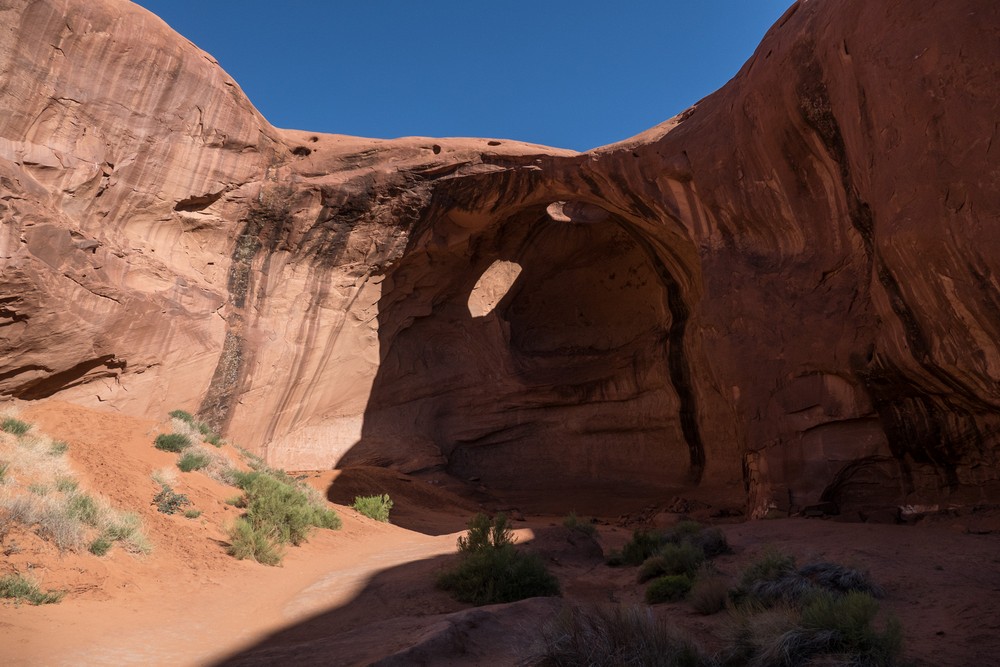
(618, 636)
(710, 592)
(40, 492)
(823, 611)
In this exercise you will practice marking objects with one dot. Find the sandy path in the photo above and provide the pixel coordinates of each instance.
(194, 623)
(187, 603)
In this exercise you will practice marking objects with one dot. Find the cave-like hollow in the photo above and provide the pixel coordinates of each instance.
(549, 378)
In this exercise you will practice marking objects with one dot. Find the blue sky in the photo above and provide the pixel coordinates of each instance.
(567, 73)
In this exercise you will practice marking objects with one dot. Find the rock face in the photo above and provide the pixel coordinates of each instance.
(788, 294)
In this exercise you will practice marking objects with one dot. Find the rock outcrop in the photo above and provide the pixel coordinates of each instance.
(788, 294)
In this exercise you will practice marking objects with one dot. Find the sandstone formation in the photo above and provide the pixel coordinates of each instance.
(786, 295)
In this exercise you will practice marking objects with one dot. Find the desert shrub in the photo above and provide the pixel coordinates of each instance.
(14, 426)
(194, 428)
(279, 510)
(59, 448)
(618, 636)
(840, 579)
(168, 501)
(683, 558)
(125, 528)
(642, 545)
(193, 461)
(712, 542)
(66, 484)
(165, 476)
(19, 588)
(57, 526)
(580, 525)
(839, 627)
(374, 507)
(770, 579)
(38, 489)
(486, 534)
(83, 507)
(183, 415)
(773, 578)
(100, 546)
(668, 588)
(254, 541)
(491, 570)
(49, 515)
(172, 442)
(192, 514)
(681, 531)
(849, 622)
(709, 593)
(283, 506)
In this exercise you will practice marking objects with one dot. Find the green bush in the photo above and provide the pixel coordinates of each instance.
(59, 448)
(82, 507)
(208, 435)
(183, 416)
(168, 501)
(642, 545)
(192, 514)
(172, 442)
(100, 546)
(669, 588)
(683, 558)
(278, 511)
(618, 636)
(14, 426)
(486, 534)
(193, 461)
(17, 587)
(374, 507)
(581, 526)
(257, 542)
(490, 570)
(282, 506)
(847, 622)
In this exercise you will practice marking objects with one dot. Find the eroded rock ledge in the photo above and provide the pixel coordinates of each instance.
(785, 295)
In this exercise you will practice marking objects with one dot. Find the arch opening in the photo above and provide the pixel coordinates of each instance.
(536, 361)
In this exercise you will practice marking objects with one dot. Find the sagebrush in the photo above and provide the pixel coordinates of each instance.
(374, 507)
(491, 570)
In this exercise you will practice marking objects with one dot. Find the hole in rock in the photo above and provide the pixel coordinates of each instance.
(563, 398)
(492, 286)
(301, 151)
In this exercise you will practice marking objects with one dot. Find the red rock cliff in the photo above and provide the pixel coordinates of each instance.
(785, 294)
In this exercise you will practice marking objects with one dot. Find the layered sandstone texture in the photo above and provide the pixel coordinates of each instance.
(786, 295)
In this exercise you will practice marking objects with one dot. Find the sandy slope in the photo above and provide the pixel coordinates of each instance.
(366, 591)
